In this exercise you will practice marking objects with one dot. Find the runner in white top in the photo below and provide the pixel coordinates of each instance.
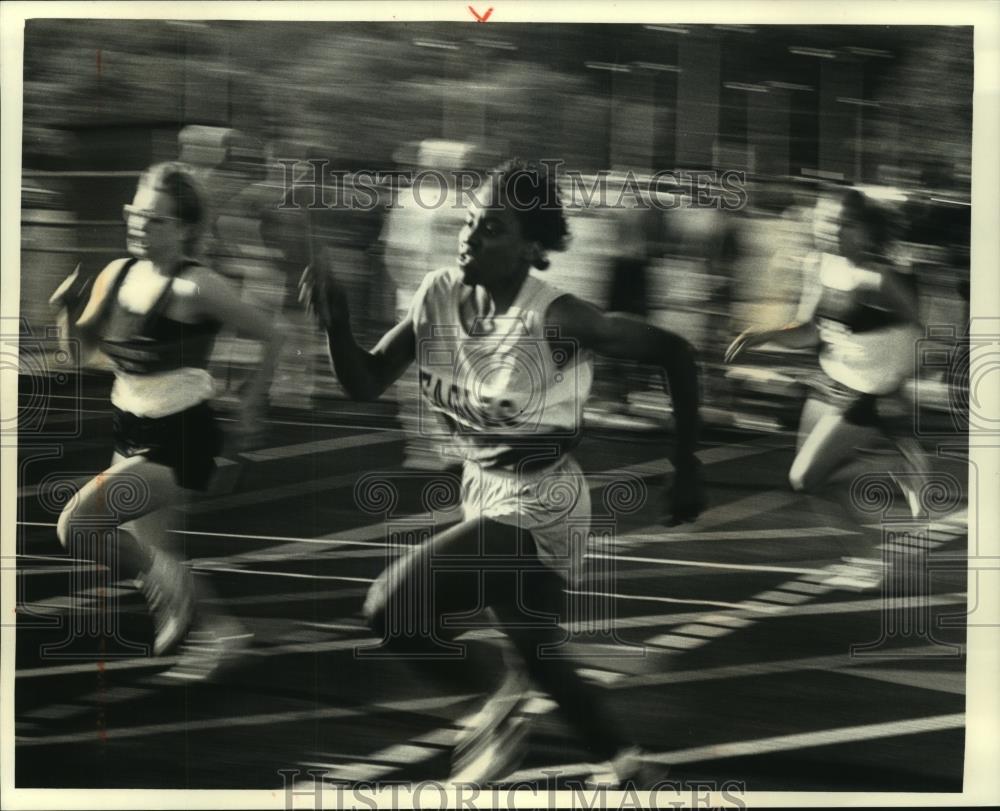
(505, 358)
(861, 313)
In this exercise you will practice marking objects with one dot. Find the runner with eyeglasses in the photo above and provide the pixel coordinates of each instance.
(153, 317)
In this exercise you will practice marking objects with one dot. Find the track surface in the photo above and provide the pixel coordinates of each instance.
(731, 659)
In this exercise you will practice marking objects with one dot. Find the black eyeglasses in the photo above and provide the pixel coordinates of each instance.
(149, 216)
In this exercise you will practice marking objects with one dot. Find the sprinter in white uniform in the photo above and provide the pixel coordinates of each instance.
(861, 313)
(505, 359)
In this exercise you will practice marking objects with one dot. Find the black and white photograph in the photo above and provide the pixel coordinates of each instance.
(500, 404)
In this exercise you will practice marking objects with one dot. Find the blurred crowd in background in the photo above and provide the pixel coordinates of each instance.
(795, 109)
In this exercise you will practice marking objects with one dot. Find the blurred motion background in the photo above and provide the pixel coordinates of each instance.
(793, 107)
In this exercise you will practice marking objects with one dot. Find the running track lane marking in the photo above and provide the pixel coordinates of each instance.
(378, 548)
(322, 446)
(206, 565)
(723, 453)
(763, 746)
(953, 683)
(278, 452)
(424, 704)
(731, 512)
(783, 598)
(734, 511)
(261, 719)
(417, 750)
(703, 564)
(426, 746)
(346, 425)
(858, 606)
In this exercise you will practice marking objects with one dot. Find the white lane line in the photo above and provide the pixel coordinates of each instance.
(731, 512)
(788, 533)
(291, 549)
(704, 564)
(271, 493)
(805, 588)
(419, 749)
(320, 541)
(422, 748)
(748, 613)
(281, 599)
(810, 584)
(164, 662)
(75, 397)
(207, 567)
(107, 412)
(25, 572)
(677, 641)
(261, 719)
(792, 597)
(742, 509)
(79, 668)
(364, 535)
(710, 456)
(486, 634)
(787, 599)
(323, 446)
(936, 680)
(805, 740)
(361, 536)
(254, 497)
(839, 662)
(700, 629)
(652, 599)
(763, 746)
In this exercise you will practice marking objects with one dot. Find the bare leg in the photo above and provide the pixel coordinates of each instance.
(127, 492)
(441, 581)
(827, 446)
(142, 493)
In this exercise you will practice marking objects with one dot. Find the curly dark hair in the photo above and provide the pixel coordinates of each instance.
(533, 194)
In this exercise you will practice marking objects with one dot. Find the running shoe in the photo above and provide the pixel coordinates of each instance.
(627, 769)
(169, 591)
(857, 574)
(211, 647)
(915, 478)
(495, 739)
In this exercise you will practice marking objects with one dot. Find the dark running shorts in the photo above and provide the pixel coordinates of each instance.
(187, 442)
(856, 407)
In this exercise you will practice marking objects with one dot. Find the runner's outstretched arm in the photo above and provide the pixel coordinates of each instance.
(630, 338)
(364, 374)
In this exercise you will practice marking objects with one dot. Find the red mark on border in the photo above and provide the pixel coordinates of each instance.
(482, 19)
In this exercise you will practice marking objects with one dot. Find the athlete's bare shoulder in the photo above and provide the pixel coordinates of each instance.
(109, 273)
(103, 285)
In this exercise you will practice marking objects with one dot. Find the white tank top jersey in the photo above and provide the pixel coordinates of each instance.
(875, 361)
(511, 393)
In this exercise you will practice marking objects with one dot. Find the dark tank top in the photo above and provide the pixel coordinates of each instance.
(145, 343)
(849, 309)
